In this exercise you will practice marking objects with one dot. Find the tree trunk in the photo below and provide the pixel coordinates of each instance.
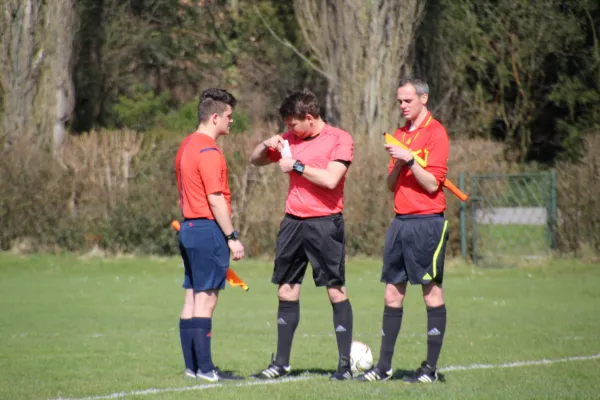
(363, 48)
(36, 40)
(61, 22)
(21, 57)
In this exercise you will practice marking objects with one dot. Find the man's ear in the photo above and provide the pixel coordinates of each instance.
(424, 98)
(213, 118)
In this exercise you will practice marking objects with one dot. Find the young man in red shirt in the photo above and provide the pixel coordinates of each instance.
(416, 240)
(207, 237)
(313, 227)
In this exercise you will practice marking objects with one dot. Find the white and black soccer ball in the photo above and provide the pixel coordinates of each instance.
(361, 358)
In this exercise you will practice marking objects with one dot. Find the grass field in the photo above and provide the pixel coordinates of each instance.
(499, 245)
(98, 329)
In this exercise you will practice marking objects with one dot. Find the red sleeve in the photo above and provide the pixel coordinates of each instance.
(436, 153)
(210, 168)
(273, 155)
(344, 150)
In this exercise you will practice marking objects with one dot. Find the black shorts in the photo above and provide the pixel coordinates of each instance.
(320, 240)
(414, 249)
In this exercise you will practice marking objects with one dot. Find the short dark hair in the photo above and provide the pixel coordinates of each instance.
(421, 87)
(214, 101)
(300, 104)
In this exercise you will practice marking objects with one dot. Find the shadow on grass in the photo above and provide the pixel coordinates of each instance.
(312, 371)
(400, 374)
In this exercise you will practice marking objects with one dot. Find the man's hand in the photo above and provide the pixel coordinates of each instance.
(399, 153)
(237, 249)
(274, 142)
(286, 164)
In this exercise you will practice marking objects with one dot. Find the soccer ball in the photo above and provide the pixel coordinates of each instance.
(361, 357)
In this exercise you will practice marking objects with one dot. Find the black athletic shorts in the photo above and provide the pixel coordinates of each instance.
(320, 240)
(414, 249)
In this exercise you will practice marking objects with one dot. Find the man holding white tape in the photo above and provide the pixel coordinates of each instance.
(316, 156)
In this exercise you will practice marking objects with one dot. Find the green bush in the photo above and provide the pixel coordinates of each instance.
(185, 120)
(141, 109)
(182, 120)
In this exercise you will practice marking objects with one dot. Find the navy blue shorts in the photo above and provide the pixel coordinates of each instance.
(414, 250)
(205, 254)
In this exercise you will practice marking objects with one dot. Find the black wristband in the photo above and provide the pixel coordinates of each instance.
(232, 236)
(298, 167)
(410, 162)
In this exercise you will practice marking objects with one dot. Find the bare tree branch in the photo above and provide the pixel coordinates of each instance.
(291, 46)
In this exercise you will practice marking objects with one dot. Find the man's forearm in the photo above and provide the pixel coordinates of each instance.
(259, 155)
(425, 179)
(320, 177)
(393, 176)
(220, 210)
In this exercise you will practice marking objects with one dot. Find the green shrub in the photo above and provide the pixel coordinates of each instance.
(141, 109)
(185, 120)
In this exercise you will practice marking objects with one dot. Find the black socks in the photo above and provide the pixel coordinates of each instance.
(342, 323)
(288, 316)
(392, 320)
(436, 328)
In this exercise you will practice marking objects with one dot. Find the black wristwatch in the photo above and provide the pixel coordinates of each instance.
(298, 167)
(232, 236)
(410, 162)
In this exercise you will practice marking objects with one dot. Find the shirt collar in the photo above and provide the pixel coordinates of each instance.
(423, 124)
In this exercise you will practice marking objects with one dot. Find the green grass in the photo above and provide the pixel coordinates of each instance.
(509, 244)
(74, 328)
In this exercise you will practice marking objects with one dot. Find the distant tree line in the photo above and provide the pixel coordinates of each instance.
(524, 73)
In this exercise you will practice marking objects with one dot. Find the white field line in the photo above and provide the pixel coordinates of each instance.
(518, 363)
(120, 395)
(249, 383)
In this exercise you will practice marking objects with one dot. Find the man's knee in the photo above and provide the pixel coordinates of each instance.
(188, 306)
(394, 294)
(433, 295)
(205, 303)
(289, 292)
(337, 294)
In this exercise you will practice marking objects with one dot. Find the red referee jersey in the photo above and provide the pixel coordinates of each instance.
(305, 199)
(430, 141)
(201, 170)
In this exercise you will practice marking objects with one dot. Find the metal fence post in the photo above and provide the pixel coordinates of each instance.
(463, 218)
(552, 212)
(474, 200)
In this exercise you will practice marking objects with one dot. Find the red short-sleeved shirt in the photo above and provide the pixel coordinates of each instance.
(305, 199)
(430, 141)
(201, 170)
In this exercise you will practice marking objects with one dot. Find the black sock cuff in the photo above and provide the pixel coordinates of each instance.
(185, 323)
(387, 310)
(285, 305)
(437, 310)
(201, 323)
(341, 305)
